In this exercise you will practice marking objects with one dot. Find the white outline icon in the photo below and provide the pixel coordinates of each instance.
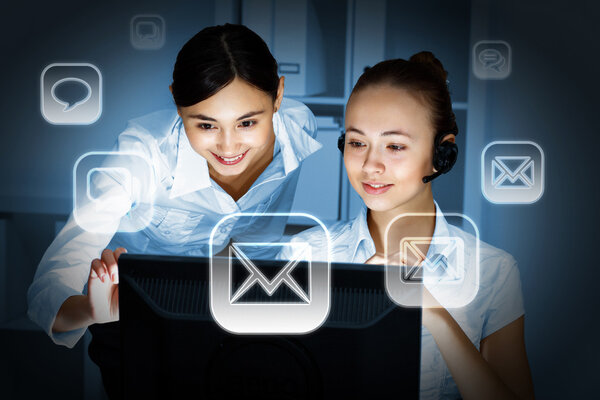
(512, 172)
(494, 61)
(276, 317)
(96, 204)
(84, 111)
(456, 290)
(141, 41)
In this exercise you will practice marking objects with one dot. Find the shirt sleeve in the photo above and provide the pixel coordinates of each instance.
(506, 303)
(64, 269)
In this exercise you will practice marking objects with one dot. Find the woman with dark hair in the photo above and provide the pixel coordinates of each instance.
(234, 145)
(399, 135)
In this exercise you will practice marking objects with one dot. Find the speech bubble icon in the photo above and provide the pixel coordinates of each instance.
(492, 59)
(147, 30)
(71, 92)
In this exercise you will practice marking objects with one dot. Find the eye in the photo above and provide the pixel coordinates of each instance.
(396, 147)
(248, 123)
(356, 144)
(205, 126)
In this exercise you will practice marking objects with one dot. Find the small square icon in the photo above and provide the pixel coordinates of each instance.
(492, 59)
(251, 295)
(512, 172)
(112, 188)
(446, 264)
(71, 93)
(147, 32)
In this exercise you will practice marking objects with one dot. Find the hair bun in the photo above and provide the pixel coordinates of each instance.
(435, 65)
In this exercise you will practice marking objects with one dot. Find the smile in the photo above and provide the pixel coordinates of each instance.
(376, 188)
(230, 160)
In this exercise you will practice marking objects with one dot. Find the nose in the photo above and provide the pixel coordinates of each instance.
(228, 144)
(373, 163)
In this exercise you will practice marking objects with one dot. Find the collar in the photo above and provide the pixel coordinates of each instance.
(294, 147)
(191, 172)
(361, 236)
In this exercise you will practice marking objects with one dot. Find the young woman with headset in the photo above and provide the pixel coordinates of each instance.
(234, 144)
(399, 135)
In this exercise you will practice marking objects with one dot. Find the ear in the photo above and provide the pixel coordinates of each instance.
(451, 137)
(279, 93)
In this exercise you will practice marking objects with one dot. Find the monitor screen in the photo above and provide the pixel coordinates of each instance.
(171, 344)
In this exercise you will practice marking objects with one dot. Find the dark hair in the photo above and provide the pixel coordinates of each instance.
(215, 56)
(423, 76)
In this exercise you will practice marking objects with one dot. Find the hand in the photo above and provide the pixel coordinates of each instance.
(432, 309)
(103, 287)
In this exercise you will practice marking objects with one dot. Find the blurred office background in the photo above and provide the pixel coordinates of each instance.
(547, 93)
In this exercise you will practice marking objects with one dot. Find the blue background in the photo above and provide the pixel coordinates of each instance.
(551, 98)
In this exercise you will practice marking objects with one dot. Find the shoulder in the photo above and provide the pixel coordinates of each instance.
(296, 114)
(337, 233)
(157, 124)
(150, 133)
(498, 269)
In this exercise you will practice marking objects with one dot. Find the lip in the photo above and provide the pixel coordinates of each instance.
(371, 190)
(225, 162)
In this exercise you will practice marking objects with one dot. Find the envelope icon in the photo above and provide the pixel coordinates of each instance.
(513, 172)
(257, 277)
(432, 260)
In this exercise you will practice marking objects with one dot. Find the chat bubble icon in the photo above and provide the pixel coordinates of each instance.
(71, 92)
(492, 59)
(147, 32)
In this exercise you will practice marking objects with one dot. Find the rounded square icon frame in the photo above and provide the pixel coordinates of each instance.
(414, 290)
(474, 55)
(100, 91)
(232, 326)
(131, 31)
(106, 154)
(542, 170)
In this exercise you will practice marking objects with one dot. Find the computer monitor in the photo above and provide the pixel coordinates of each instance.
(368, 347)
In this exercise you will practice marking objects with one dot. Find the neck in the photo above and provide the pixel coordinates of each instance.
(421, 226)
(237, 185)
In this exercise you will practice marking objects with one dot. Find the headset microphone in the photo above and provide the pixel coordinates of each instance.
(431, 177)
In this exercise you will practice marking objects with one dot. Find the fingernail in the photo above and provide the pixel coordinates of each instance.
(113, 277)
(102, 277)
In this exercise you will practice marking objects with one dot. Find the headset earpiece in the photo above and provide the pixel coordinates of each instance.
(341, 143)
(444, 157)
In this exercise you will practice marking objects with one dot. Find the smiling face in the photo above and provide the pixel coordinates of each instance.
(233, 130)
(389, 148)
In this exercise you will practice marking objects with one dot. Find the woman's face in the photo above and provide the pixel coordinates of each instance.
(389, 147)
(233, 129)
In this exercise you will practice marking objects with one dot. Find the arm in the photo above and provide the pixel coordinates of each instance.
(499, 371)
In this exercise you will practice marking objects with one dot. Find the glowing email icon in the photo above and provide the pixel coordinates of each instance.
(301, 251)
(513, 172)
(445, 264)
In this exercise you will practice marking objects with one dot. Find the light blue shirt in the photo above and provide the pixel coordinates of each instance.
(497, 303)
(187, 205)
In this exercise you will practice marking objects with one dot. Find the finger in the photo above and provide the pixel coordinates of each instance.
(98, 269)
(108, 258)
(119, 251)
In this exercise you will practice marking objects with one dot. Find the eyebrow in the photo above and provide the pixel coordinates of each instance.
(386, 133)
(247, 115)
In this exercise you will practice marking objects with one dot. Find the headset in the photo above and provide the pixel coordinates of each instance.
(444, 155)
